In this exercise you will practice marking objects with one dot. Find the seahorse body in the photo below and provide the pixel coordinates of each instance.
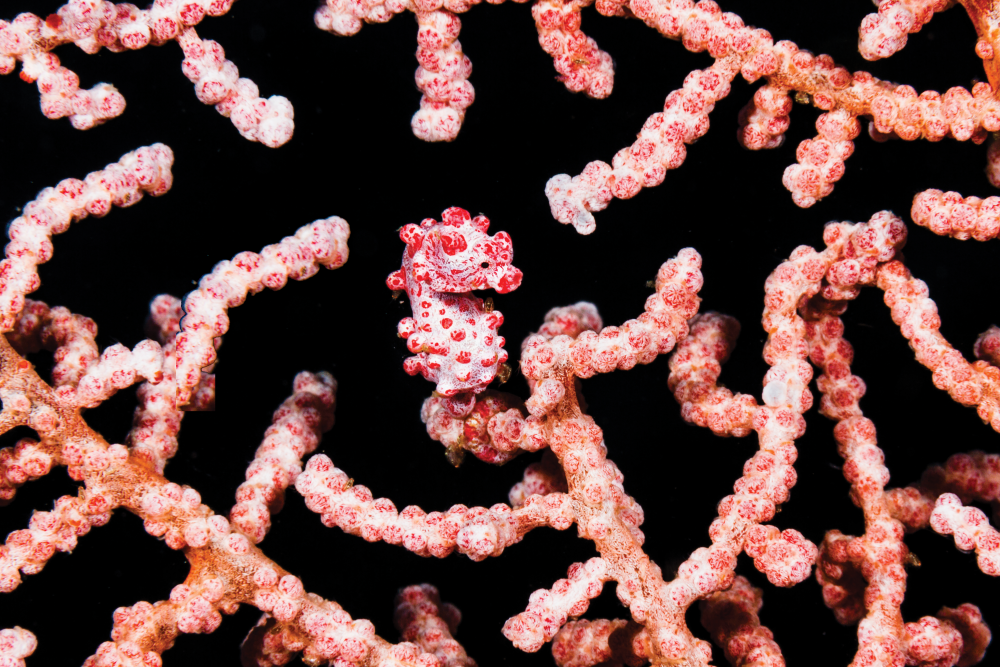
(453, 336)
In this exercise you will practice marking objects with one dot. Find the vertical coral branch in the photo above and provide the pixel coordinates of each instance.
(442, 77)
(764, 120)
(695, 367)
(157, 420)
(423, 619)
(731, 617)
(296, 430)
(582, 65)
(821, 160)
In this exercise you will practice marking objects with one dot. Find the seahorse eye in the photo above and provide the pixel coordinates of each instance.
(484, 265)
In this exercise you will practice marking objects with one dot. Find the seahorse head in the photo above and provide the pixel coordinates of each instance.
(458, 255)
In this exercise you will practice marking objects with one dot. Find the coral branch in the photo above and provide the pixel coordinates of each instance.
(973, 477)
(880, 554)
(16, 644)
(28, 39)
(974, 385)
(442, 77)
(987, 346)
(954, 637)
(637, 341)
(157, 420)
(841, 579)
(821, 160)
(737, 49)
(477, 532)
(764, 120)
(590, 643)
(324, 632)
(975, 635)
(549, 610)
(23, 462)
(985, 20)
(48, 532)
(444, 69)
(296, 430)
(571, 320)
(82, 378)
(695, 367)
(322, 243)
(143, 631)
(931, 642)
(540, 479)
(145, 170)
(582, 66)
(604, 513)
(948, 214)
(784, 556)
(216, 81)
(423, 619)
(226, 569)
(972, 531)
(117, 368)
(731, 617)
(884, 33)
(660, 147)
(93, 24)
(72, 338)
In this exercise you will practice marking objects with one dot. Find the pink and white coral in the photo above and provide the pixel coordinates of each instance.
(444, 69)
(884, 33)
(894, 110)
(442, 77)
(296, 430)
(322, 244)
(96, 24)
(145, 170)
(423, 619)
(15, 645)
(575, 482)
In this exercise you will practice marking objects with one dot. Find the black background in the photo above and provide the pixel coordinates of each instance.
(353, 155)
